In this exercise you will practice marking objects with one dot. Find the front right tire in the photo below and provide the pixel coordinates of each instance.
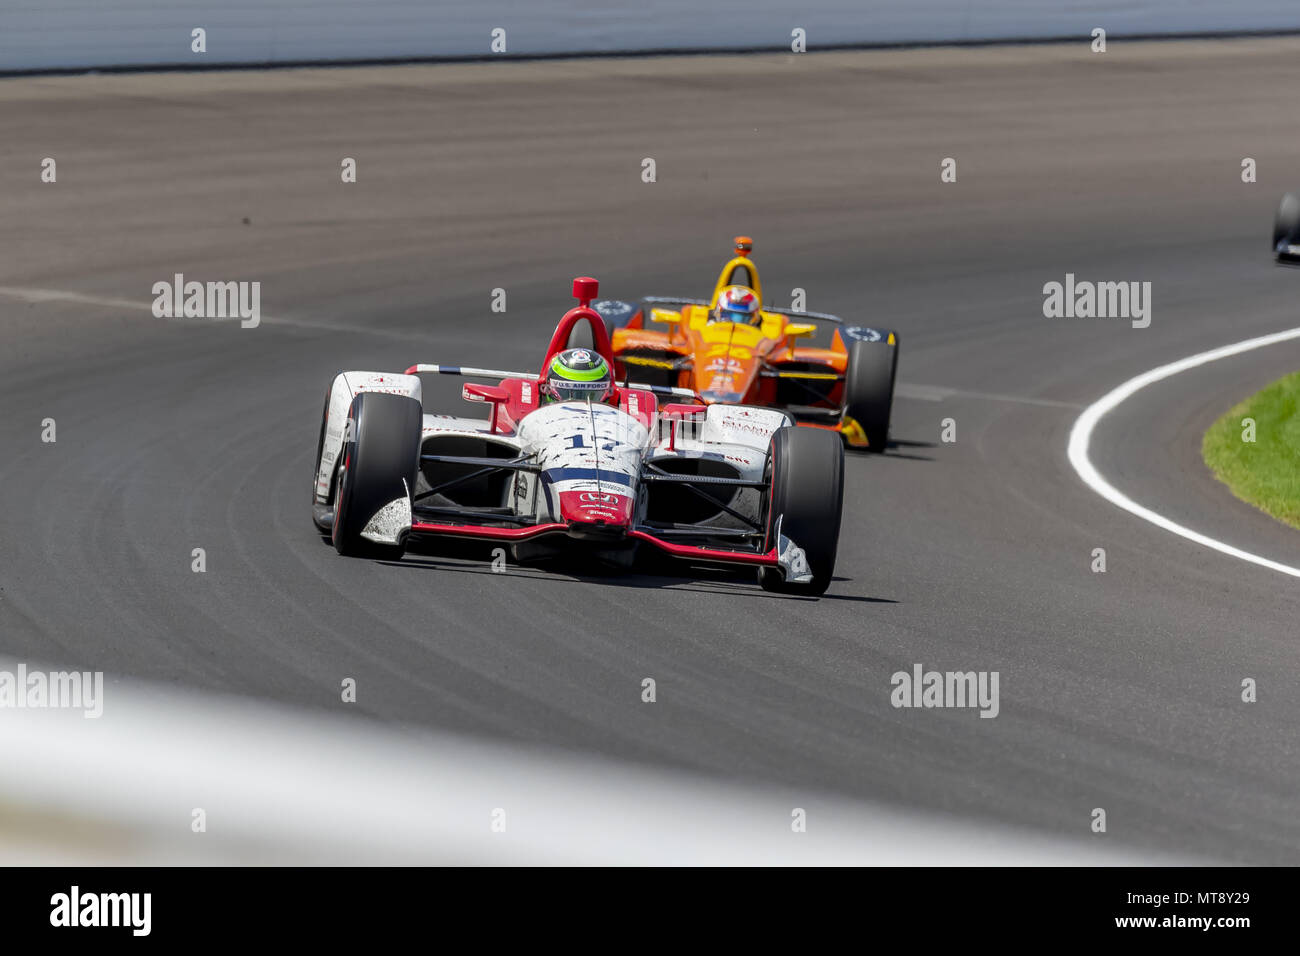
(869, 389)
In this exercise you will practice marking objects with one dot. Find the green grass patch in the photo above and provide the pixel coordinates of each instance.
(1265, 472)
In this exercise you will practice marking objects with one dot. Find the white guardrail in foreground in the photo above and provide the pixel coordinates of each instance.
(292, 786)
(76, 34)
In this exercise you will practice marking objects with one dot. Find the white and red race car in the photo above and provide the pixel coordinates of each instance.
(715, 484)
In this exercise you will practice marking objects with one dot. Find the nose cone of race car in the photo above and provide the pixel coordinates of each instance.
(596, 513)
(713, 396)
(726, 371)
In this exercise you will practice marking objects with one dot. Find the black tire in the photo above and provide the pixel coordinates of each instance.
(381, 449)
(869, 389)
(806, 470)
(1286, 224)
(318, 512)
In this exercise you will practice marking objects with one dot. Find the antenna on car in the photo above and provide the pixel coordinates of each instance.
(585, 289)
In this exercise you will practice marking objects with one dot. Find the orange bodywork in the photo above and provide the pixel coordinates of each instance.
(735, 363)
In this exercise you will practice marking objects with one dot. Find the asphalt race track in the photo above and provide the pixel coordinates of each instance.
(1118, 690)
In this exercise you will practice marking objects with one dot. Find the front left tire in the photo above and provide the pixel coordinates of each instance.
(381, 456)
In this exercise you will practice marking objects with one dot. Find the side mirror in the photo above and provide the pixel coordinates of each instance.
(474, 392)
(665, 315)
(498, 396)
(677, 414)
(675, 410)
(797, 331)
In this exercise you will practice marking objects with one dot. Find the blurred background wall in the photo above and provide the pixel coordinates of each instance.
(86, 34)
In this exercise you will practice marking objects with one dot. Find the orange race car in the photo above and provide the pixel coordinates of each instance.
(731, 350)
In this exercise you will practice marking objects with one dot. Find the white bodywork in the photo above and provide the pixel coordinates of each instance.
(392, 522)
(596, 450)
(345, 387)
(580, 447)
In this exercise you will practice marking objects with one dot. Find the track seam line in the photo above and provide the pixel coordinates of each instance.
(40, 296)
(1081, 436)
(939, 393)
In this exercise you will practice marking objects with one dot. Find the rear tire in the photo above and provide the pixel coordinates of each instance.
(1286, 224)
(806, 469)
(380, 451)
(869, 389)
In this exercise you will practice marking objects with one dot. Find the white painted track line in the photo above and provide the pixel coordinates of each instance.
(1081, 436)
